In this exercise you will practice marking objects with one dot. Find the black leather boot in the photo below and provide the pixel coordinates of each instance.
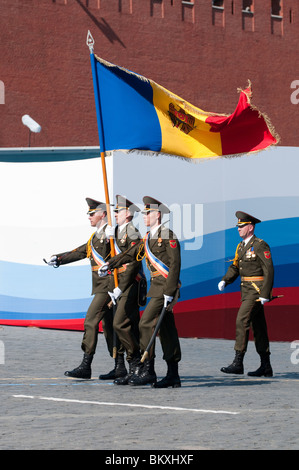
(236, 367)
(265, 369)
(83, 371)
(172, 378)
(133, 364)
(118, 371)
(144, 374)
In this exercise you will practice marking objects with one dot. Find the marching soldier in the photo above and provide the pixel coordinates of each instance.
(253, 263)
(98, 250)
(125, 295)
(162, 253)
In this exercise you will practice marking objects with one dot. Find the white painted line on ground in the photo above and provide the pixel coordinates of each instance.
(132, 405)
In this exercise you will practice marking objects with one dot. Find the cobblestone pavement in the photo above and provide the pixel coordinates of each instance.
(42, 409)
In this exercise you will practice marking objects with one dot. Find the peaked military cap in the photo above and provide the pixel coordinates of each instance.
(95, 205)
(123, 203)
(151, 204)
(245, 219)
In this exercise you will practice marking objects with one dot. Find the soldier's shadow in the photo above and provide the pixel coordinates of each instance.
(224, 381)
(287, 375)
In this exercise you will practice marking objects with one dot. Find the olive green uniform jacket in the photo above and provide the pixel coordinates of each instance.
(253, 263)
(98, 309)
(126, 316)
(102, 246)
(165, 246)
(128, 270)
(253, 260)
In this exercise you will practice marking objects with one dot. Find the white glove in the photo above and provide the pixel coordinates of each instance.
(115, 294)
(167, 299)
(102, 272)
(110, 231)
(221, 285)
(263, 301)
(53, 261)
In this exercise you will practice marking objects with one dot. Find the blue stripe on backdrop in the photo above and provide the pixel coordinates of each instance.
(44, 282)
(41, 316)
(222, 244)
(285, 276)
(282, 256)
(43, 306)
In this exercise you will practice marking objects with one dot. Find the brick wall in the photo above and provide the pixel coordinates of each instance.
(199, 52)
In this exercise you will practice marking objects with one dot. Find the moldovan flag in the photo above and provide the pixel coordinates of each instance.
(136, 113)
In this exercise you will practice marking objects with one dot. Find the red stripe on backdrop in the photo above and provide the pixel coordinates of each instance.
(71, 324)
(245, 130)
(215, 316)
(208, 317)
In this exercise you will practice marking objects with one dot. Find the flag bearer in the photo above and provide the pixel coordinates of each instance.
(125, 295)
(161, 249)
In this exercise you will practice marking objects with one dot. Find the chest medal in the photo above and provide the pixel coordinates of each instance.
(250, 254)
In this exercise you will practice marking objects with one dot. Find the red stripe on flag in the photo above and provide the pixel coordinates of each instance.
(245, 130)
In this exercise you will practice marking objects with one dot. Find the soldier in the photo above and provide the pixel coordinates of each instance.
(253, 262)
(162, 252)
(98, 250)
(125, 295)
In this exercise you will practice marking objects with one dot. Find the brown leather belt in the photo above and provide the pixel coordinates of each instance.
(252, 278)
(119, 270)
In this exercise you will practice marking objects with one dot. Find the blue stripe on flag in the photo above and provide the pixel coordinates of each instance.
(129, 117)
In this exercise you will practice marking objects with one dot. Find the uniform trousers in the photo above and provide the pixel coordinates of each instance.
(251, 314)
(95, 313)
(168, 333)
(126, 321)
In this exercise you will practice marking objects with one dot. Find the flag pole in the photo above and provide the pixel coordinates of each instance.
(90, 44)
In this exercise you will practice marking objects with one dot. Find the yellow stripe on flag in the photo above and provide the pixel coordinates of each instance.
(183, 127)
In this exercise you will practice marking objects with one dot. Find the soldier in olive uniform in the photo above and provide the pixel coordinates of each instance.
(253, 263)
(162, 253)
(98, 250)
(125, 294)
